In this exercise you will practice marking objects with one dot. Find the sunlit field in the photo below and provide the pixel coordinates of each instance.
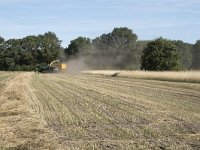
(82, 111)
(181, 76)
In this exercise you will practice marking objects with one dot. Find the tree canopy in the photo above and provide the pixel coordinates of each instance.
(78, 45)
(160, 55)
(120, 49)
(1, 40)
(24, 54)
(116, 50)
(196, 56)
(185, 52)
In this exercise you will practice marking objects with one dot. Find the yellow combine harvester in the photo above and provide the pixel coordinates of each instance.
(58, 66)
(54, 66)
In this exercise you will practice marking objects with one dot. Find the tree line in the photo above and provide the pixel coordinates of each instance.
(119, 49)
(27, 53)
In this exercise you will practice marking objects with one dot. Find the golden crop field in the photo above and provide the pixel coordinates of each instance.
(85, 111)
(179, 76)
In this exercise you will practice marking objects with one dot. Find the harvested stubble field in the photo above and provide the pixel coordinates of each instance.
(81, 111)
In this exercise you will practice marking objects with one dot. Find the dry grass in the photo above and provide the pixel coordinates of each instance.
(20, 128)
(98, 112)
(183, 76)
(52, 111)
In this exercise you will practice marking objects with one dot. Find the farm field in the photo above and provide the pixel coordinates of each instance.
(175, 76)
(84, 111)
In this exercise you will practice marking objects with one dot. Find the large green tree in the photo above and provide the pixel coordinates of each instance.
(78, 46)
(49, 47)
(160, 55)
(24, 54)
(116, 50)
(31, 47)
(119, 41)
(196, 56)
(10, 54)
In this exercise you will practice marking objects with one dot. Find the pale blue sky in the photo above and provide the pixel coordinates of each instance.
(149, 19)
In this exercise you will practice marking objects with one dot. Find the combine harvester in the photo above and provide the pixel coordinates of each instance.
(54, 67)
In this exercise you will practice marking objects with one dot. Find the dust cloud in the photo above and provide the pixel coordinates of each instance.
(76, 65)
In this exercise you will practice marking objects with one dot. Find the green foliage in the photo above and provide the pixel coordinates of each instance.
(1, 40)
(196, 56)
(24, 54)
(49, 48)
(160, 55)
(77, 46)
(185, 52)
(116, 50)
(120, 41)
